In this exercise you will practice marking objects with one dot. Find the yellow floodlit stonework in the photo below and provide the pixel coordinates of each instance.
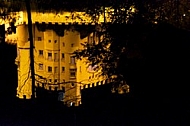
(55, 66)
(63, 17)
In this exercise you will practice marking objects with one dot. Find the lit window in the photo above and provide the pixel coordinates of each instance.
(40, 66)
(63, 69)
(49, 69)
(72, 45)
(49, 56)
(39, 38)
(72, 60)
(55, 69)
(41, 52)
(71, 104)
(49, 41)
(55, 41)
(63, 44)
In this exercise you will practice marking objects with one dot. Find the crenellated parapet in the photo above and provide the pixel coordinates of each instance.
(98, 83)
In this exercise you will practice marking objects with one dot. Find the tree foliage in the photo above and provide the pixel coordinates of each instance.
(126, 38)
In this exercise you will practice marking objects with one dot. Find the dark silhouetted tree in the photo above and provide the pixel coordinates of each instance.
(123, 49)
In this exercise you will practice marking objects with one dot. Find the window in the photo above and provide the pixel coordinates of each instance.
(50, 80)
(55, 41)
(72, 45)
(63, 56)
(55, 69)
(72, 84)
(63, 69)
(40, 66)
(55, 56)
(72, 72)
(39, 38)
(72, 60)
(49, 69)
(49, 41)
(49, 56)
(50, 88)
(55, 80)
(55, 88)
(40, 52)
(63, 44)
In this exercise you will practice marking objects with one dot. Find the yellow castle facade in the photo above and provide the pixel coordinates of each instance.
(55, 66)
(55, 39)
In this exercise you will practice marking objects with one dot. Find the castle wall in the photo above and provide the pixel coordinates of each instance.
(52, 50)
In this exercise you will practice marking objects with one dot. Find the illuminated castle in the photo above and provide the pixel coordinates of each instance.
(55, 37)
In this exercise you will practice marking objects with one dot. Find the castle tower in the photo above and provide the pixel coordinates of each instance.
(55, 39)
(23, 62)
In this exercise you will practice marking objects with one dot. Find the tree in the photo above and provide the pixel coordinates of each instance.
(8, 14)
(123, 48)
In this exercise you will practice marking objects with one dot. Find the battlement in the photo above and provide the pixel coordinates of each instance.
(63, 17)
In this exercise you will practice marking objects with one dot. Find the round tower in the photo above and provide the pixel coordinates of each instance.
(24, 89)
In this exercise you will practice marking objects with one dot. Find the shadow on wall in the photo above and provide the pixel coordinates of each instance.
(8, 70)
